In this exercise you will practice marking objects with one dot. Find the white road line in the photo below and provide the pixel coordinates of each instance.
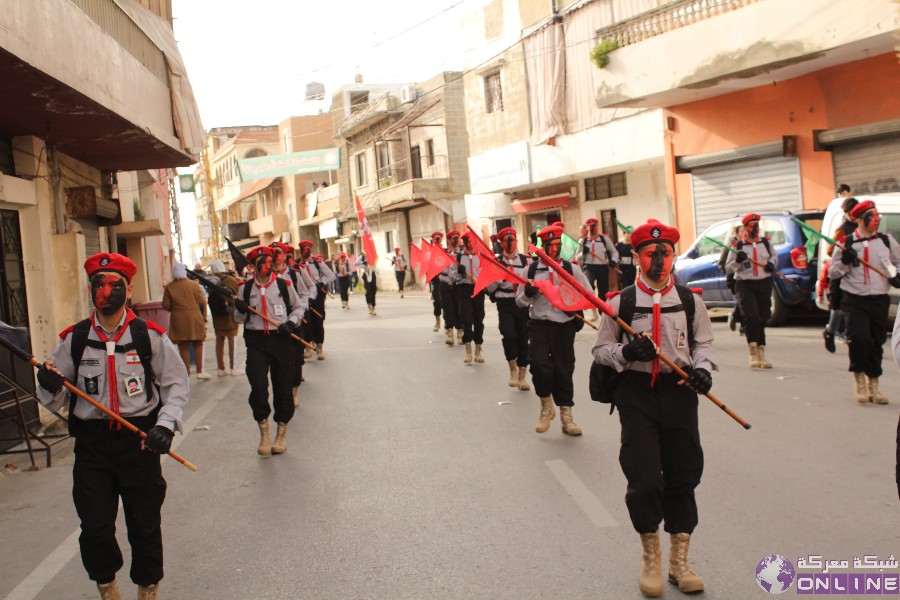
(38, 579)
(586, 501)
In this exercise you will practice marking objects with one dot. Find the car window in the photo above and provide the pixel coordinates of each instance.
(773, 229)
(717, 232)
(890, 223)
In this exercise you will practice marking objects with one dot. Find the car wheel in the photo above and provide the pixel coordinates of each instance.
(780, 310)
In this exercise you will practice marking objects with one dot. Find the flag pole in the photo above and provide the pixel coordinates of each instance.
(835, 243)
(755, 262)
(608, 310)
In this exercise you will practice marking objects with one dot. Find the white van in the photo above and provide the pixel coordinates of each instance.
(888, 206)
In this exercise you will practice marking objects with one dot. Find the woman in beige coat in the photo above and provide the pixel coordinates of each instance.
(187, 303)
(224, 325)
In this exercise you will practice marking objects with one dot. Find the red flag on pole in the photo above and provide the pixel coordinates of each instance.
(415, 256)
(492, 271)
(440, 260)
(368, 242)
(572, 287)
(478, 243)
(562, 295)
(425, 259)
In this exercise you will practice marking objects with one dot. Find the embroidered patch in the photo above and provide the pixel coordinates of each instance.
(640, 316)
(104, 261)
(655, 233)
(132, 358)
(90, 362)
(92, 385)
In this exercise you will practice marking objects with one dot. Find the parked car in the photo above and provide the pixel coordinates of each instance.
(698, 266)
(888, 206)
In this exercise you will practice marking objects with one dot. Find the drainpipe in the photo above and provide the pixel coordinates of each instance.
(53, 171)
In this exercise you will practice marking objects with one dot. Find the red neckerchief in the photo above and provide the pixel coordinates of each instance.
(755, 258)
(262, 299)
(475, 273)
(865, 242)
(111, 376)
(657, 312)
(510, 262)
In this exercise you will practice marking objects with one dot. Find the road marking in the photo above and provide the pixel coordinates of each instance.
(38, 579)
(586, 501)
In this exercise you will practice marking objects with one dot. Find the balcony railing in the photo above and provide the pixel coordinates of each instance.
(425, 167)
(669, 17)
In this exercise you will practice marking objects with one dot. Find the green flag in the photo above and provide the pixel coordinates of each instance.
(813, 238)
(569, 247)
(623, 227)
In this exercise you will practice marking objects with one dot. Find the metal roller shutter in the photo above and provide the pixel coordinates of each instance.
(761, 185)
(871, 167)
(91, 236)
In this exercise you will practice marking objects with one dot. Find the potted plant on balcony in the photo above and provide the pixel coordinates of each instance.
(385, 182)
(600, 53)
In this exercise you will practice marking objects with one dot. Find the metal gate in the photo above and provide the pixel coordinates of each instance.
(760, 185)
(868, 167)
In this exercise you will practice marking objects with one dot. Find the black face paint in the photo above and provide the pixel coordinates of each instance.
(553, 249)
(657, 262)
(753, 230)
(872, 220)
(509, 244)
(108, 293)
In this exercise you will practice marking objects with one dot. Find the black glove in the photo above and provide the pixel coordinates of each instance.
(741, 256)
(613, 264)
(461, 269)
(50, 380)
(769, 268)
(849, 256)
(640, 349)
(895, 281)
(159, 439)
(241, 306)
(699, 380)
(531, 290)
(287, 328)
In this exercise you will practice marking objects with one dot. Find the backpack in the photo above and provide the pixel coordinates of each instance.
(602, 378)
(219, 304)
(140, 342)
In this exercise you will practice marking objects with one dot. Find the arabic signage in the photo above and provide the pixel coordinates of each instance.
(296, 163)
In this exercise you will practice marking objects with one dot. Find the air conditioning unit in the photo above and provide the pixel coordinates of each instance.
(408, 93)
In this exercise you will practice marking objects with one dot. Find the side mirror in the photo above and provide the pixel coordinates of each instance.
(692, 253)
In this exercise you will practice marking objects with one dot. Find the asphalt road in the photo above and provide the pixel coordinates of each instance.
(411, 475)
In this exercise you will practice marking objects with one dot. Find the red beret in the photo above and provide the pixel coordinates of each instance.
(343, 255)
(559, 224)
(750, 217)
(305, 244)
(397, 249)
(452, 232)
(287, 249)
(437, 234)
(110, 262)
(552, 232)
(318, 257)
(653, 232)
(861, 208)
(259, 251)
(505, 232)
(591, 220)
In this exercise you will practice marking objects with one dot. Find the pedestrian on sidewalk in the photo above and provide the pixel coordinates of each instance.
(224, 325)
(186, 302)
(660, 452)
(145, 382)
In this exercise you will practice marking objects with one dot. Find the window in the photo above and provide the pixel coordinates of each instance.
(719, 232)
(360, 169)
(493, 94)
(383, 159)
(606, 186)
(389, 241)
(502, 224)
(429, 146)
(773, 230)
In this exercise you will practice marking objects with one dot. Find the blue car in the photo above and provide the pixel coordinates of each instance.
(698, 267)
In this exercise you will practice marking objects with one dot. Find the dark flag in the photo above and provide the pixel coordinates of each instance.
(237, 257)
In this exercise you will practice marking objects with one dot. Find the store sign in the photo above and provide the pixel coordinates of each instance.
(328, 229)
(500, 169)
(296, 163)
(186, 184)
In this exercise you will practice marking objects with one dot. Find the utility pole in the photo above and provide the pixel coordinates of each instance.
(216, 240)
(174, 214)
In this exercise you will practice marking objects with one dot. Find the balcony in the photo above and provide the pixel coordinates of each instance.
(715, 47)
(274, 224)
(405, 181)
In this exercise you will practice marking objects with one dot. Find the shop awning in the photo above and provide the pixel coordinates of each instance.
(539, 204)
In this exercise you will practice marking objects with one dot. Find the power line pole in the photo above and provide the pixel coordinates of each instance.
(216, 239)
(174, 215)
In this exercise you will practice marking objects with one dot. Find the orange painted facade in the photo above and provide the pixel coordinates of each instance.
(847, 95)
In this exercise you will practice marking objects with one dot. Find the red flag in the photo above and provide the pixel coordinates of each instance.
(562, 295)
(415, 256)
(478, 243)
(368, 242)
(440, 260)
(492, 271)
(426, 259)
(572, 285)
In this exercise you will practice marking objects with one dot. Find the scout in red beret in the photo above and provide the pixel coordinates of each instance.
(110, 276)
(653, 231)
(437, 235)
(857, 211)
(750, 217)
(654, 249)
(261, 259)
(116, 263)
(305, 244)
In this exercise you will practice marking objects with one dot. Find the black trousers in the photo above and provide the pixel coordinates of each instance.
(401, 278)
(551, 354)
(315, 325)
(270, 353)
(627, 276)
(371, 285)
(660, 455)
(436, 299)
(471, 313)
(299, 361)
(598, 277)
(449, 306)
(110, 464)
(754, 296)
(866, 331)
(344, 287)
(513, 328)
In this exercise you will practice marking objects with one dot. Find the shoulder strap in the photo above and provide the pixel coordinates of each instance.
(79, 342)
(688, 301)
(141, 339)
(765, 242)
(567, 266)
(884, 238)
(293, 275)
(282, 289)
(627, 303)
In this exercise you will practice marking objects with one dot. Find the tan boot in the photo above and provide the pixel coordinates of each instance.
(569, 427)
(148, 592)
(861, 391)
(296, 393)
(547, 413)
(320, 352)
(437, 324)
(468, 357)
(874, 394)
(763, 363)
(265, 439)
(109, 591)
(754, 355)
(459, 336)
(479, 358)
(370, 309)
(651, 566)
(523, 382)
(513, 374)
(374, 314)
(449, 341)
(307, 353)
(280, 445)
(680, 571)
